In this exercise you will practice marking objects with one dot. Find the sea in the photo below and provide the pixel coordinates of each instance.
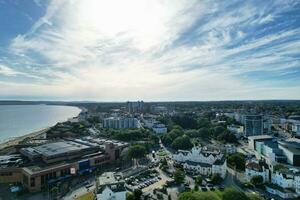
(19, 120)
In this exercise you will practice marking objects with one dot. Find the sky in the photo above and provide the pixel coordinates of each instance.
(152, 50)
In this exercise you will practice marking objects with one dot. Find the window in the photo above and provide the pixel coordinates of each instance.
(25, 179)
(32, 182)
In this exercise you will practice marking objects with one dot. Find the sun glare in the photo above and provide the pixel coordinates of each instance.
(114, 16)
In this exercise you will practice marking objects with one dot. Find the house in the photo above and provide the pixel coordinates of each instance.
(256, 168)
(202, 161)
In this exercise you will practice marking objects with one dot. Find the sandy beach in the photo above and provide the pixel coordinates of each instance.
(16, 140)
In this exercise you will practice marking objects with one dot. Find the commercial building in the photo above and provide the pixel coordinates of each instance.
(202, 161)
(291, 149)
(121, 122)
(110, 186)
(253, 125)
(260, 138)
(43, 166)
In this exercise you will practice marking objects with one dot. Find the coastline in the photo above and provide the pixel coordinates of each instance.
(17, 140)
(10, 142)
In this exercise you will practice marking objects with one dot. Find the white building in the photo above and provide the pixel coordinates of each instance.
(283, 179)
(159, 128)
(230, 148)
(254, 168)
(235, 129)
(202, 161)
(111, 186)
(296, 128)
(121, 122)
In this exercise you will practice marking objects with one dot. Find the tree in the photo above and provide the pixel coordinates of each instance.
(137, 152)
(198, 196)
(279, 167)
(254, 197)
(183, 143)
(216, 178)
(237, 161)
(166, 140)
(198, 180)
(257, 180)
(175, 133)
(179, 176)
(232, 194)
(137, 194)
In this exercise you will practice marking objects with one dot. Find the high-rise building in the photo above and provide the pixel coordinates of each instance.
(135, 106)
(253, 125)
(121, 122)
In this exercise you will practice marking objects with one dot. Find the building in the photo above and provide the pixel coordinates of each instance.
(291, 149)
(159, 128)
(260, 138)
(135, 106)
(236, 130)
(110, 186)
(41, 167)
(256, 168)
(296, 129)
(253, 125)
(202, 161)
(230, 148)
(121, 122)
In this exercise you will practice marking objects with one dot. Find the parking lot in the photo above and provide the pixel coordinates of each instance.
(143, 180)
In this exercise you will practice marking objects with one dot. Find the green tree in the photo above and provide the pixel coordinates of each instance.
(137, 152)
(137, 194)
(254, 197)
(183, 143)
(279, 167)
(198, 196)
(232, 194)
(179, 176)
(237, 161)
(216, 179)
(257, 180)
(198, 180)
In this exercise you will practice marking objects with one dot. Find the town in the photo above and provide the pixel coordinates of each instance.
(161, 150)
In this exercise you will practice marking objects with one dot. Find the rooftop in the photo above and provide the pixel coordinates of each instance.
(57, 148)
(110, 178)
(260, 137)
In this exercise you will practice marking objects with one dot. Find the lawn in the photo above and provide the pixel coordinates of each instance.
(162, 152)
(86, 196)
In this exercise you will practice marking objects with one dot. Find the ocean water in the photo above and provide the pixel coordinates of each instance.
(18, 120)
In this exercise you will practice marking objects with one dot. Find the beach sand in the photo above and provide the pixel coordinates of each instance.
(17, 140)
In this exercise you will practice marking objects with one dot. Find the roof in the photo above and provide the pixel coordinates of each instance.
(292, 146)
(57, 148)
(260, 137)
(198, 164)
(110, 178)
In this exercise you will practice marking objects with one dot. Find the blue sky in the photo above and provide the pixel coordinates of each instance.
(155, 50)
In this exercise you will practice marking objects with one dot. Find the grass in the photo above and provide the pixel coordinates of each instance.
(161, 153)
(86, 196)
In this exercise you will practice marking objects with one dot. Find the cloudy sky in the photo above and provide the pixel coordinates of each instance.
(120, 50)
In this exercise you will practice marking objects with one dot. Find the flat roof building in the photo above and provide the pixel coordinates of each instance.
(111, 185)
(43, 166)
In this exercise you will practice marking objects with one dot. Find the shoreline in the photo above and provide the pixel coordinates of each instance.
(18, 139)
(10, 142)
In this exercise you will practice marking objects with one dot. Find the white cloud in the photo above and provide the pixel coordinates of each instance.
(97, 49)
